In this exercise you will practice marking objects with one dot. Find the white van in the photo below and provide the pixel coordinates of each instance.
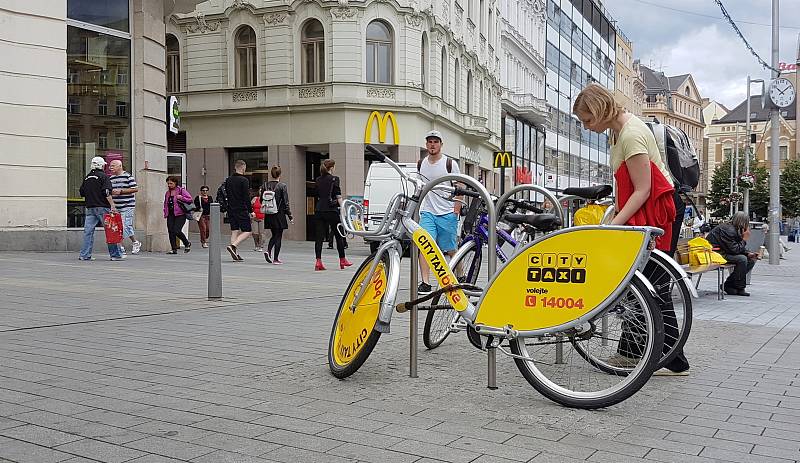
(382, 183)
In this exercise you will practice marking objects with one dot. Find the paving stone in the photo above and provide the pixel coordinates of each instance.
(727, 455)
(237, 444)
(18, 451)
(40, 436)
(372, 454)
(170, 448)
(294, 455)
(299, 440)
(102, 451)
(505, 451)
(358, 437)
(438, 452)
(542, 445)
(221, 456)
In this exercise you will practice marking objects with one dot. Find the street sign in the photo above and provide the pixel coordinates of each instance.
(502, 159)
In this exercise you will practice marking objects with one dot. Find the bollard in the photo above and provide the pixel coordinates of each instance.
(413, 327)
(215, 255)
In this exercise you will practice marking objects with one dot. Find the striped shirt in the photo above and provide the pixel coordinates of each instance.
(124, 180)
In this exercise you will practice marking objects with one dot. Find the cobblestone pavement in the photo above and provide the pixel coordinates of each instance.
(128, 362)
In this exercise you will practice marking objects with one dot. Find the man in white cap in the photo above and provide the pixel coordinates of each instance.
(437, 215)
(96, 189)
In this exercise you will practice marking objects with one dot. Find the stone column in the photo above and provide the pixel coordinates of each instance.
(292, 160)
(149, 120)
(349, 159)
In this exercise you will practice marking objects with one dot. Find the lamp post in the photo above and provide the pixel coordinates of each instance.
(774, 155)
(746, 199)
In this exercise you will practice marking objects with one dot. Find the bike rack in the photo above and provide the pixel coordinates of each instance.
(492, 262)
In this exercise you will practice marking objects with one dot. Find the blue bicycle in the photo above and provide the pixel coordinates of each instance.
(466, 263)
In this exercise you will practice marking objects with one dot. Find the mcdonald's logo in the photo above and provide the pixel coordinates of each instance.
(502, 159)
(388, 116)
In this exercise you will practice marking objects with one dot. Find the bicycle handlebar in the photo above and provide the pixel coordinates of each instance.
(519, 204)
(464, 192)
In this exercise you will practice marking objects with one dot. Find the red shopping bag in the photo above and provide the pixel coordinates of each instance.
(113, 226)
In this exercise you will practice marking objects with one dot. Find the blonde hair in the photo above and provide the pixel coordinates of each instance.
(599, 102)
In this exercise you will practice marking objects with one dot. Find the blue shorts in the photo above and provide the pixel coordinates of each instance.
(443, 229)
(127, 222)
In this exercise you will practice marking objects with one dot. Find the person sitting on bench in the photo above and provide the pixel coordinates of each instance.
(730, 238)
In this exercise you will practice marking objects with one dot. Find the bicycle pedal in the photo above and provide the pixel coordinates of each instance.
(456, 327)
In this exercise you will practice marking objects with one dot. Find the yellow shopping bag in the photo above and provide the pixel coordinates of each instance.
(701, 253)
(591, 214)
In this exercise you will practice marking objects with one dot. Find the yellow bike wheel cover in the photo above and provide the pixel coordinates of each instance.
(560, 278)
(353, 327)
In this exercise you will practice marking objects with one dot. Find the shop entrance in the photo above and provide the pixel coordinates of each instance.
(313, 162)
(176, 167)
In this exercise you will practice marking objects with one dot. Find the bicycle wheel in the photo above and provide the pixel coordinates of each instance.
(353, 335)
(632, 330)
(676, 304)
(466, 268)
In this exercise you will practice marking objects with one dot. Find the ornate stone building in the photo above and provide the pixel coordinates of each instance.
(628, 86)
(293, 83)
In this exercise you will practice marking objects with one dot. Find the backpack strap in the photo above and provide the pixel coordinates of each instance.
(660, 134)
(449, 165)
(419, 164)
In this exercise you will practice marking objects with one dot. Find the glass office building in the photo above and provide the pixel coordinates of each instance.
(580, 49)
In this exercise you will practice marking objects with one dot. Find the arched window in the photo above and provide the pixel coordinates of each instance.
(469, 92)
(379, 53)
(173, 64)
(423, 66)
(457, 85)
(480, 101)
(246, 57)
(686, 92)
(313, 43)
(443, 74)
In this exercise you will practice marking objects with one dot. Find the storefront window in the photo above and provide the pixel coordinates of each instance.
(258, 164)
(99, 105)
(107, 13)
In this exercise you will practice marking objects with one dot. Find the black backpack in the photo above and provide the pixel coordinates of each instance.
(678, 154)
(222, 197)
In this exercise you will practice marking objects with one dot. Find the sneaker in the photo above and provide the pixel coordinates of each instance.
(203, 245)
(622, 361)
(232, 251)
(267, 258)
(742, 292)
(85, 258)
(122, 249)
(668, 372)
(423, 288)
(731, 291)
(258, 249)
(118, 258)
(277, 262)
(137, 246)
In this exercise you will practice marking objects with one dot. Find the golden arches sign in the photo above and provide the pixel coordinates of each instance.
(387, 117)
(502, 159)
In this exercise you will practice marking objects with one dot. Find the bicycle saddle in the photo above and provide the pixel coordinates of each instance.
(541, 222)
(595, 192)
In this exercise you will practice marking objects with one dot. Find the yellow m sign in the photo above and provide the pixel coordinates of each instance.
(502, 159)
(388, 116)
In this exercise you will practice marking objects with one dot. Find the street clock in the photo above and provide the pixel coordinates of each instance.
(781, 92)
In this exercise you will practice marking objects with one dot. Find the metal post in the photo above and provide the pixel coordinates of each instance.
(214, 255)
(735, 169)
(413, 333)
(774, 155)
(730, 159)
(746, 198)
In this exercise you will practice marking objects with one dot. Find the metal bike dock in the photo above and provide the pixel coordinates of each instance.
(492, 267)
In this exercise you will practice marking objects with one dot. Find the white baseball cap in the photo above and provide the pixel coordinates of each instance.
(98, 162)
(435, 134)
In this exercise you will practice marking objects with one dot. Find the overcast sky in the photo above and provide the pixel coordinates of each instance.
(707, 47)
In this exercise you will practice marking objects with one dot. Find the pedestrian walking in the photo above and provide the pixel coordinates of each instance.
(731, 239)
(175, 214)
(257, 222)
(237, 189)
(329, 199)
(645, 196)
(438, 215)
(96, 189)
(124, 195)
(202, 203)
(275, 205)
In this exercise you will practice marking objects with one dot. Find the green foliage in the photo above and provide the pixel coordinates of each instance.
(718, 196)
(790, 189)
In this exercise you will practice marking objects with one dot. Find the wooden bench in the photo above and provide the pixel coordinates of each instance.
(683, 258)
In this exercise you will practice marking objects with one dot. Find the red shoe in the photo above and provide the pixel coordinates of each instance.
(318, 265)
(343, 262)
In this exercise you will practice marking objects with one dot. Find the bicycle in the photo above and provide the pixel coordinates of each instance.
(545, 296)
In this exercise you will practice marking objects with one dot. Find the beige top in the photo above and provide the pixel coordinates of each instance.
(636, 138)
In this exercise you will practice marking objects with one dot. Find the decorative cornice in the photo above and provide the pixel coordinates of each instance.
(414, 20)
(274, 19)
(241, 5)
(246, 95)
(311, 92)
(202, 26)
(380, 92)
(344, 13)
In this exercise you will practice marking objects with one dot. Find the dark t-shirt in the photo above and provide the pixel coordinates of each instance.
(327, 190)
(96, 187)
(237, 187)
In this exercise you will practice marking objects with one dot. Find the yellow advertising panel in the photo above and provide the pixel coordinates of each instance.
(388, 116)
(354, 326)
(437, 263)
(502, 159)
(561, 278)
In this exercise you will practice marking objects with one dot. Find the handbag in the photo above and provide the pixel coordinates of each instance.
(112, 224)
(196, 215)
(187, 208)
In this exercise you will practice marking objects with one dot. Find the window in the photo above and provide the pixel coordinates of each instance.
(686, 92)
(173, 64)
(106, 13)
(379, 53)
(246, 57)
(73, 106)
(73, 138)
(102, 139)
(469, 92)
(423, 66)
(73, 76)
(480, 101)
(784, 152)
(119, 140)
(313, 44)
(457, 85)
(444, 75)
(122, 109)
(102, 107)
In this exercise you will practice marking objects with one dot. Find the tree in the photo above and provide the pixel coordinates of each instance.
(790, 189)
(718, 201)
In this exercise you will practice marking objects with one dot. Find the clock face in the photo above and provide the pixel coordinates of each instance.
(781, 92)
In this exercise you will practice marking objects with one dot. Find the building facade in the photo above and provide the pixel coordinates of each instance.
(713, 111)
(675, 101)
(522, 76)
(628, 85)
(81, 79)
(292, 84)
(581, 49)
